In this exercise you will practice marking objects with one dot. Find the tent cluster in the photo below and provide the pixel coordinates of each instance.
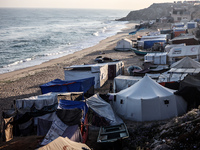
(159, 95)
(65, 109)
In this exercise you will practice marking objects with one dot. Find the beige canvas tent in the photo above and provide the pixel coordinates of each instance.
(124, 45)
(147, 100)
(64, 143)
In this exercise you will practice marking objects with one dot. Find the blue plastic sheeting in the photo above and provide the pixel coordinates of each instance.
(68, 104)
(134, 32)
(149, 44)
(58, 85)
(191, 26)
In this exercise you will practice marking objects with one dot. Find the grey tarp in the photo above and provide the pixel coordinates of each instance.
(103, 109)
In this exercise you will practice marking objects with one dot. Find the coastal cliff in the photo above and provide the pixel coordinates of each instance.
(158, 10)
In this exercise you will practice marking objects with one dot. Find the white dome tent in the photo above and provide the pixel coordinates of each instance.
(147, 100)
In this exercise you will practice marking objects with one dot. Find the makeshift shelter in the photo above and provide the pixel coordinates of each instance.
(98, 71)
(36, 114)
(185, 65)
(189, 89)
(58, 85)
(147, 100)
(156, 58)
(38, 102)
(169, 46)
(124, 45)
(178, 31)
(70, 114)
(58, 128)
(183, 51)
(21, 119)
(166, 77)
(177, 25)
(169, 33)
(103, 109)
(64, 143)
(187, 39)
(191, 25)
(149, 43)
(115, 68)
(145, 37)
(122, 82)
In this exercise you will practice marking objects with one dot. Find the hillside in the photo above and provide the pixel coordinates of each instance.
(158, 10)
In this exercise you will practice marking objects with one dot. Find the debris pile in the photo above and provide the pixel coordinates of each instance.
(178, 133)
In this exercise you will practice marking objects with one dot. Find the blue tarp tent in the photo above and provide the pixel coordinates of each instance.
(134, 32)
(150, 42)
(68, 104)
(58, 85)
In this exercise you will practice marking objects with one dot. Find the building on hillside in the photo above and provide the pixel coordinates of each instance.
(181, 14)
(192, 2)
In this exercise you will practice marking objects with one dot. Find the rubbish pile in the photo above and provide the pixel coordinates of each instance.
(178, 133)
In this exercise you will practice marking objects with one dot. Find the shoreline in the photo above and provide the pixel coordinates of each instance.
(25, 82)
(16, 74)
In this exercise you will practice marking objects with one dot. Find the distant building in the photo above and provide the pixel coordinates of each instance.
(181, 14)
(192, 2)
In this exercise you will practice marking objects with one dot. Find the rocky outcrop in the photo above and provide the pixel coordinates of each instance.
(158, 10)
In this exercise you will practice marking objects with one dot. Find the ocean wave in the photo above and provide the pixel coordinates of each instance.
(18, 62)
(41, 40)
(96, 33)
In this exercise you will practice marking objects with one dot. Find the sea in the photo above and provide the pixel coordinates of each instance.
(31, 36)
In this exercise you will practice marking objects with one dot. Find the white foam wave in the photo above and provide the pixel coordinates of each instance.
(18, 62)
(96, 33)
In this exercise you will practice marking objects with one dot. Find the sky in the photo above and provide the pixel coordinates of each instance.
(93, 4)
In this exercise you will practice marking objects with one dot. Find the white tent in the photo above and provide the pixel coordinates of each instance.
(186, 62)
(124, 45)
(170, 46)
(122, 82)
(147, 100)
(185, 65)
(156, 58)
(99, 71)
(183, 51)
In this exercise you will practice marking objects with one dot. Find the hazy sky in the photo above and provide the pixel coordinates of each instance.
(100, 4)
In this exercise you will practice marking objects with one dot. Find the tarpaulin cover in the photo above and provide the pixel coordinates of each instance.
(103, 109)
(150, 43)
(58, 85)
(67, 104)
(70, 116)
(38, 102)
(58, 128)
